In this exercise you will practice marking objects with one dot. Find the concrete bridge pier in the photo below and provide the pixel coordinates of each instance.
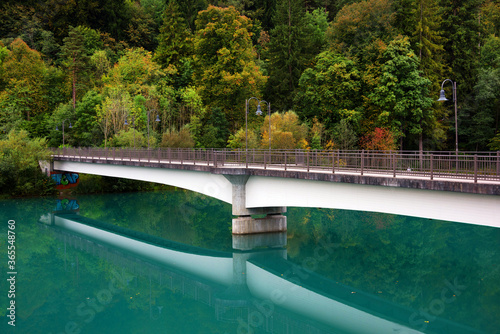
(274, 221)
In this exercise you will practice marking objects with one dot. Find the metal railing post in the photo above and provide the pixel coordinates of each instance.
(362, 161)
(285, 160)
(432, 167)
(265, 160)
(393, 164)
(475, 168)
(333, 162)
(498, 165)
(307, 158)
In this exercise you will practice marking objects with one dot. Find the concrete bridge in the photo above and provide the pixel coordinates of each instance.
(463, 188)
(255, 291)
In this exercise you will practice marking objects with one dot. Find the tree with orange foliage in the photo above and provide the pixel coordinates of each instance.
(380, 139)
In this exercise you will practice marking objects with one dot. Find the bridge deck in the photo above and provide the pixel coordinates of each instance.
(431, 172)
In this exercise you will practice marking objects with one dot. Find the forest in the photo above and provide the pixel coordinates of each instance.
(342, 74)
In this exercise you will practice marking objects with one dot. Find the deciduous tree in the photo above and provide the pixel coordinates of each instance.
(403, 94)
(225, 70)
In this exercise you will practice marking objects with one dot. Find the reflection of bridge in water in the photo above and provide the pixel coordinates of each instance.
(255, 286)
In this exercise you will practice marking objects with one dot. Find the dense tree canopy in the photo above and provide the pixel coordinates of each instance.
(356, 74)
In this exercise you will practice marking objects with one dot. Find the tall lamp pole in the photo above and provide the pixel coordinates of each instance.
(443, 98)
(133, 125)
(156, 120)
(70, 126)
(247, 102)
(259, 112)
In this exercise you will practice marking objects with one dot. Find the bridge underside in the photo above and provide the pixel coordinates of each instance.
(251, 194)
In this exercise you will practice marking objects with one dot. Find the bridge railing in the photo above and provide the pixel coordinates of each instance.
(466, 165)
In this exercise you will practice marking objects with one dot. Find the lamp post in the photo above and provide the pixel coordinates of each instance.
(70, 126)
(156, 120)
(133, 124)
(443, 98)
(259, 112)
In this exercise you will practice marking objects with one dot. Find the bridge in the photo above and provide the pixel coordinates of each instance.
(461, 188)
(252, 282)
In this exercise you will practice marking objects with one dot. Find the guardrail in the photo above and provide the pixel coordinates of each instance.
(478, 166)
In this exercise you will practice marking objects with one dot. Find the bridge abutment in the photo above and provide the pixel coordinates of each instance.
(244, 223)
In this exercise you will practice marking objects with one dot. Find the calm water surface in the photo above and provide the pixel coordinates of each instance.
(166, 262)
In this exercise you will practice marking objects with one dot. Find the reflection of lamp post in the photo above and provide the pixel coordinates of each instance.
(259, 112)
(442, 97)
(70, 126)
(133, 124)
(156, 120)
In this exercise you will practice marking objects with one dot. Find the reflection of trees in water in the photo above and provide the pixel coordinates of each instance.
(405, 259)
(177, 215)
(402, 259)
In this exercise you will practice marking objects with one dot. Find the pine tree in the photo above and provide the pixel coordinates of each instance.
(174, 41)
(76, 58)
(462, 47)
(427, 42)
(287, 53)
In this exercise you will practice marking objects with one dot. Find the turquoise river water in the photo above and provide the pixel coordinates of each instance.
(166, 262)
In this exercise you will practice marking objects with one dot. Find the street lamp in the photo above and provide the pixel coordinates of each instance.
(156, 120)
(133, 124)
(258, 113)
(443, 98)
(70, 126)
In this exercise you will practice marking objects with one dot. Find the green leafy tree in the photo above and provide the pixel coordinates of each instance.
(131, 138)
(316, 26)
(113, 112)
(403, 94)
(344, 136)
(135, 72)
(20, 173)
(330, 91)
(210, 131)
(287, 132)
(225, 70)
(24, 93)
(86, 130)
(359, 25)
(288, 53)
(178, 139)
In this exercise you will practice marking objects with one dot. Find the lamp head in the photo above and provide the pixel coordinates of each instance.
(126, 123)
(259, 111)
(57, 128)
(442, 97)
(157, 118)
(70, 126)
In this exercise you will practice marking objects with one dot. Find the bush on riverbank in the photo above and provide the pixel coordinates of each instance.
(20, 173)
